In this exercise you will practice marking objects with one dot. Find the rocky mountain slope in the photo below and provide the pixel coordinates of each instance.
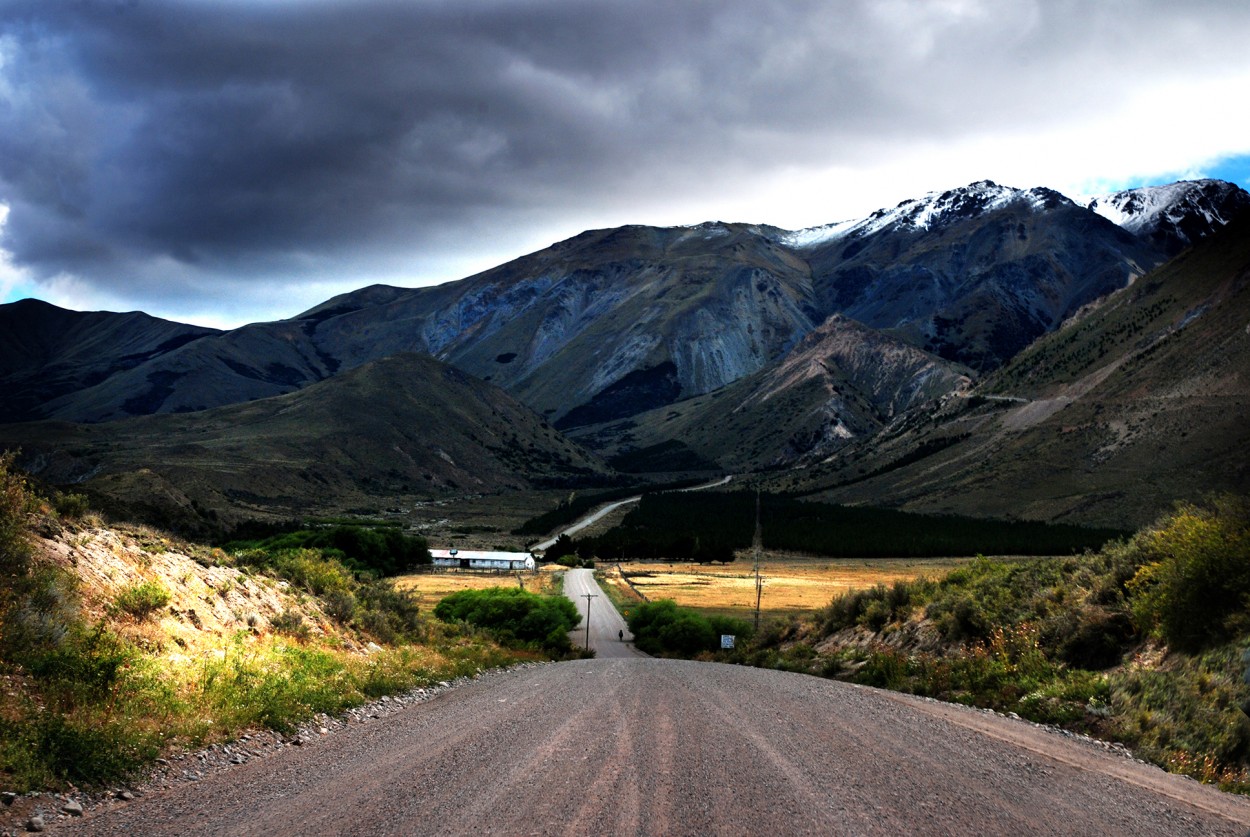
(974, 274)
(841, 384)
(401, 429)
(1142, 400)
(612, 323)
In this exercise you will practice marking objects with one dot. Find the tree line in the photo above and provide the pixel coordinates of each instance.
(709, 526)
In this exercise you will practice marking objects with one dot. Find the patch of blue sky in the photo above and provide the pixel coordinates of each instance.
(1233, 169)
(16, 292)
(14, 284)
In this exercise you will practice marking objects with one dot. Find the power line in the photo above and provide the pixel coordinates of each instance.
(757, 545)
(588, 597)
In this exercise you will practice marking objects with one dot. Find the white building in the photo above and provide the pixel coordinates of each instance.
(467, 559)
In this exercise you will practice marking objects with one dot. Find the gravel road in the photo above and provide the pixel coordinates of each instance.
(606, 623)
(650, 746)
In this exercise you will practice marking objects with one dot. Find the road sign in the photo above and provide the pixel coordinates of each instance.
(727, 641)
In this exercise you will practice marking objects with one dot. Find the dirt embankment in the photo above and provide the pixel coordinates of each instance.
(208, 602)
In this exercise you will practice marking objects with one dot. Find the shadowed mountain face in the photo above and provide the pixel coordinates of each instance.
(47, 352)
(841, 384)
(612, 323)
(1143, 399)
(404, 426)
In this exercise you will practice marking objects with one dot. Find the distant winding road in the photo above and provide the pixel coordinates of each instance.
(599, 513)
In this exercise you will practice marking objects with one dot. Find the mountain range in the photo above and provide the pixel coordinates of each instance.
(1140, 400)
(719, 345)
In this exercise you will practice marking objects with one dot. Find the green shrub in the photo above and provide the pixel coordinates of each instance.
(389, 614)
(686, 633)
(1045, 638)
(1093, 637)
(373, 605)
(311, 570)
(514, 615)
(80, 750)
(885, 670)
(844, 610)
(71, 506)
(290, 623)
(1194, 587)
(276, 687)
(92, 707)
(380, 550)
(15, 505)
(340, 605)
(85, 666)
(876, 615)
(141, 600)
(1188, 716)
(43, 610)
(662, 627)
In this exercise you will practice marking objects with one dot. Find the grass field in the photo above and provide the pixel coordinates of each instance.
(792, 584)
(433, 586)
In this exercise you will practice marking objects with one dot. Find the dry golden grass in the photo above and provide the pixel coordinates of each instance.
(792, 584)
(432, 587)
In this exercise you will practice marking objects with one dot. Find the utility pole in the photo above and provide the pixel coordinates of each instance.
(757, 544)
(588, 597)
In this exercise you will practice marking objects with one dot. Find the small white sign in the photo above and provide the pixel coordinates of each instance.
(727, 640)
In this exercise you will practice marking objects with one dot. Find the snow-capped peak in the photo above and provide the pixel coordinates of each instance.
(1209, 202)
(931, 210)
(813, 236)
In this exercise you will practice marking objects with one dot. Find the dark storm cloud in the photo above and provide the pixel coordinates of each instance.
(208, 131)
(245, 139)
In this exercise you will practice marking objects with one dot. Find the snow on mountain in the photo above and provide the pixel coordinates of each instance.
(1185, 211)
(924, 213)
(1172, 216)
(815, 236)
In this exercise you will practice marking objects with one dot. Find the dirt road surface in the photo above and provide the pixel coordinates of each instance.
(649, 746)
(606, 623)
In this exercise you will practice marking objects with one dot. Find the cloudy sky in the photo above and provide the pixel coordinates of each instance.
(227, 161)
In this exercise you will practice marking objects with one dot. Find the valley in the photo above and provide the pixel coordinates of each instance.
(518, 418)
(983, 371)
(861, 362)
